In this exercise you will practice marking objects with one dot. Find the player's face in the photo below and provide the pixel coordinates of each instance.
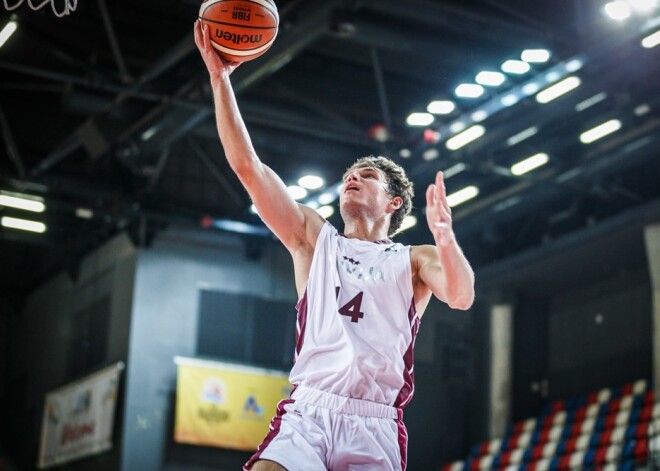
(364, 186)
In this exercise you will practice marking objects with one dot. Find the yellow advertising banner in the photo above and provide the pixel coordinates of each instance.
(225, 405)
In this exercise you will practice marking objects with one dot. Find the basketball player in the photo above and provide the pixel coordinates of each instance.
(361, 300)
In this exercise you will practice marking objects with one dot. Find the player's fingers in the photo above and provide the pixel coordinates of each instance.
(430, 195)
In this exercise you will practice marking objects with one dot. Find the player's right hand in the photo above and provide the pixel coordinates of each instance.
(214, 63)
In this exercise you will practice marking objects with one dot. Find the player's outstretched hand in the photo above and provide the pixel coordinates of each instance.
(214, 63)
(438, 212)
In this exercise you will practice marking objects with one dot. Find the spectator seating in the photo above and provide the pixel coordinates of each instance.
(605, 430)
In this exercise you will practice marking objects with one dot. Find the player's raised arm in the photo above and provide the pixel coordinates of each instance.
(443, 268)
(277, 208)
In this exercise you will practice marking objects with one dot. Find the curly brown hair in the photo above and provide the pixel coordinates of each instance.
(397, 185)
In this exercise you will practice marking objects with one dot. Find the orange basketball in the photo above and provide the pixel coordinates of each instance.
(240, 30)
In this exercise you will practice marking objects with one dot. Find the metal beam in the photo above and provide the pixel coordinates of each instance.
(124, 74)
(10, 145)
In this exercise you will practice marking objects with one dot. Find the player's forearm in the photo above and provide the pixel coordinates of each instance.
(457, 274)
(232, 131)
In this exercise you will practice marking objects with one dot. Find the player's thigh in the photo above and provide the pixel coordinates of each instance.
(267, 465)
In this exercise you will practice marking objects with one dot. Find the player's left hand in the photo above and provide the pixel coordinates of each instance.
(438, 212)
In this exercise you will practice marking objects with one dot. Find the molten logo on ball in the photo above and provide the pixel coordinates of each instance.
(238, 38)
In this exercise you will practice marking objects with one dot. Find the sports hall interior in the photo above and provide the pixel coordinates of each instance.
(544, 117)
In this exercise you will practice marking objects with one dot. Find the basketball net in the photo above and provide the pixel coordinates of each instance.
(69, 6)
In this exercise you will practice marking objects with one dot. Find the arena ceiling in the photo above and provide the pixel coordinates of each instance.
(106, 115)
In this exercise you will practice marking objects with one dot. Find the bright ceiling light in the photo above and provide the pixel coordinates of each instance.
(530, 88)
(327, 198)
(521, 136)
(311, 182)
(509, 100)
(454, 170)
(469, 90)
(600, 131)
(7, 31)
(529, 164)
(591, 101)
(253, 209)
(326, 211)
(20, 201)
(297, 192)
(617, 10)
(515, 67)
(419, 119)
(538, 56)
(558, 89)
(84, 213)
(457, 127)
(469, 135)
(431, 154)
(405, 153)
(441, 107)
(23, 224)
(573, 65)
(408, 222)
(463, 195)
(643, 6)
(491, 79)
(479, 115)
(652, 40)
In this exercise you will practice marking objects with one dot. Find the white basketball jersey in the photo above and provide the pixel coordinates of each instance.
(357, 321)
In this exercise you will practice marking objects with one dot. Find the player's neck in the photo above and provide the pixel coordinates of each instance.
(370, 231)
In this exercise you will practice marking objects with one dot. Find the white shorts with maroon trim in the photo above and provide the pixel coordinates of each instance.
(315, 430)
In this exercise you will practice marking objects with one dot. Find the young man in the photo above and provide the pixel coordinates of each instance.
(361, 300)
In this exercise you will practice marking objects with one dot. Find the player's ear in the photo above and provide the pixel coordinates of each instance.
(396, 203)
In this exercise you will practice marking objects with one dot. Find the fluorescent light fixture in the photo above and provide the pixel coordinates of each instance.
(23, 224)
(651, 40)
(515, 67)
(469, 90)
(419, 119)
(529, 164)
(591, 101)
(538, 56)
(454, 170)
(296, 192)
(469, 135)
(327, 198)
(408, 222)
(558, 89)
(405, 153)
(311, 182)
(463, 195)
(441, 107)
(24, 202)
(479, 115)
(149, 133)
(530, 88)
(571, 66)
(642, 109)
(643, 6)
(552, 76)
(491, 79)
(84, 213)
(7, 31)
(457, 127)
(431, 154)
(600, 131)
(509, 100)
(617, 10)
(326, 211)
(522, 135)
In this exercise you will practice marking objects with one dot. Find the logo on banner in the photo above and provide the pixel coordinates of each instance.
(214, 391)
(252, 409)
